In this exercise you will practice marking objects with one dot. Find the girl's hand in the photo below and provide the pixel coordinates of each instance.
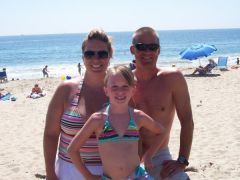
(94, 177)
(147, 162)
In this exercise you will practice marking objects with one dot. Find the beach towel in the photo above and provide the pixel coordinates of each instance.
(6, 97)
(35, 95)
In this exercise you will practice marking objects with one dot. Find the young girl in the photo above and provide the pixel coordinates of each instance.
(117, 131)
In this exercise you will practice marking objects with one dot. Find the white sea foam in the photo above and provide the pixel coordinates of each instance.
(35, 71)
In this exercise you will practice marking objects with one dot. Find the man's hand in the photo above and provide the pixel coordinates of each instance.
(171, 167)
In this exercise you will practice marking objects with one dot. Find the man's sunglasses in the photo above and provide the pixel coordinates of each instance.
(144, 47)
(95, 54)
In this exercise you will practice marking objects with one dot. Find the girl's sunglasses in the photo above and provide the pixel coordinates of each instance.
(95, 54)
(144, 47)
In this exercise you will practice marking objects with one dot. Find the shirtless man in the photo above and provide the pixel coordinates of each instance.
(36, 89)
(161, 92)
(37, 92)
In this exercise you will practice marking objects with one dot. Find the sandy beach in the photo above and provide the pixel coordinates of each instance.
(216, 111)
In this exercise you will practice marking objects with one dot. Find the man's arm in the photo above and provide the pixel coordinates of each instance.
(183, 108)
(184, 112)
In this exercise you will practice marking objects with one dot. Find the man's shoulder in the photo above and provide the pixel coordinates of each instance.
(168, 72)
(170, 76)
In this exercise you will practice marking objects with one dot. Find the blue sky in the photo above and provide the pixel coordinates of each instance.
(76, 16)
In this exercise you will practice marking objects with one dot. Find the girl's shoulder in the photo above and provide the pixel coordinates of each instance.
(97, 121)
(138, 115)
(98, 117)
(137, 112)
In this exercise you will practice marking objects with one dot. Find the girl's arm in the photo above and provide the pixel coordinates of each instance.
(78, 141)
(154, 126)
(149, 123)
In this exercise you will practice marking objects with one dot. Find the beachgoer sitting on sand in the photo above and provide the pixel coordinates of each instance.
(207, 69)
(37, 92)
(36, 89)
(237, 65)
(117, 130)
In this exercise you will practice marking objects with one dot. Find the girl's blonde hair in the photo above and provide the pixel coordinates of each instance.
(124, 71)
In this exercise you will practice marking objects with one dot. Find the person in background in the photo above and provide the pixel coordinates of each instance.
(237, 61)
(117, 130)
(206, 69)
(79, 68)
(36, 89)
(3, 75)
(45, 71)
(37, 92)
(159, 93)
(132, 64)
(72, 104)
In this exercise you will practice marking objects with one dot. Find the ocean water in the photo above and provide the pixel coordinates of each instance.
(24, 56)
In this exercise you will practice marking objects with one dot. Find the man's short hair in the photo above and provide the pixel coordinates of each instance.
(144, 30)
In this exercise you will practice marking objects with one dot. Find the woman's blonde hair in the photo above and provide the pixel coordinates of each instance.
(99, 34)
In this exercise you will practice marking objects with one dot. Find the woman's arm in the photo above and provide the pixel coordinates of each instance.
(52, 128)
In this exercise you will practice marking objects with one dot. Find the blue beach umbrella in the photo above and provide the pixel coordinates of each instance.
(197, 51)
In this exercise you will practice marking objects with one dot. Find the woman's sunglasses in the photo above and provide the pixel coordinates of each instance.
(144, 47)
(95, 54)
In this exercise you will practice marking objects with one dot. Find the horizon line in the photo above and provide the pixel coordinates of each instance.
(117, 31)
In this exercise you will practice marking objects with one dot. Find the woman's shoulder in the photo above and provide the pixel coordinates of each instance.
(70, 84)
(67, 89)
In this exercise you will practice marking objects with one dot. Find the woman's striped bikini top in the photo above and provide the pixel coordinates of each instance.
(71, 122)
(110, 135)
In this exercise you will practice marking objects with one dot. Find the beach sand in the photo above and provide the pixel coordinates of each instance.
(216, 111)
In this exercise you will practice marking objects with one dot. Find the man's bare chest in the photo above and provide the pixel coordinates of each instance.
(151, 98)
